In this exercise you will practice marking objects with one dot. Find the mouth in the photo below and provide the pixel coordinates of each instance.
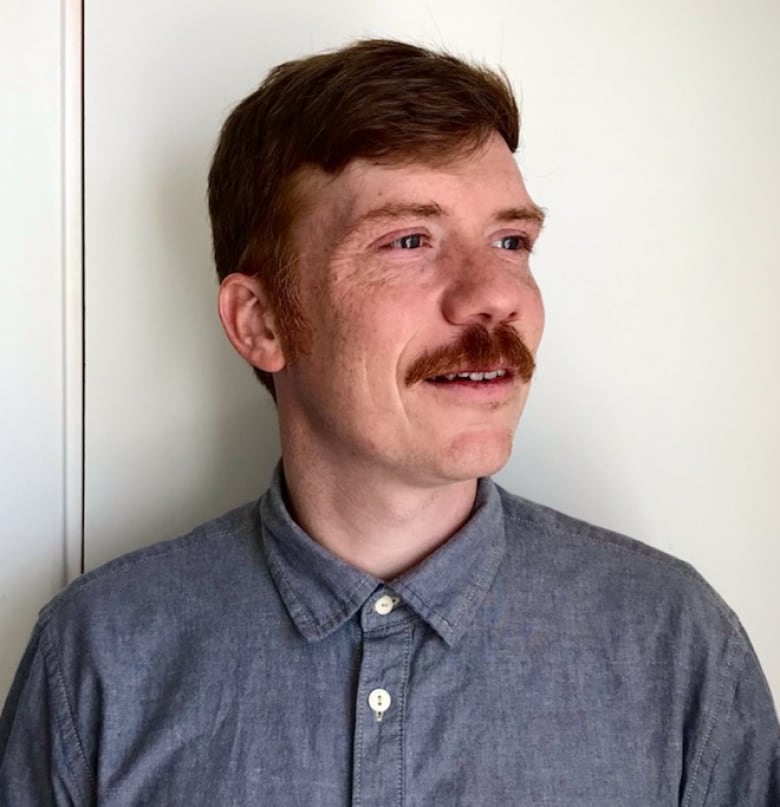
(481, 377)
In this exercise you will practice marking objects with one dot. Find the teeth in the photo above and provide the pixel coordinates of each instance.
(475, 376)
(478, 376)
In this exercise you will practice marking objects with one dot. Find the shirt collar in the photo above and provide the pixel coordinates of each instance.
(321, 592)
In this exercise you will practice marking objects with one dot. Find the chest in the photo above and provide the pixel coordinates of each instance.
(391, 715)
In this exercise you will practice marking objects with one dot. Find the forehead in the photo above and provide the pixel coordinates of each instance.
(478, 183)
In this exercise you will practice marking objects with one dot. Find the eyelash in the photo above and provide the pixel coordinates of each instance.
(396, 242)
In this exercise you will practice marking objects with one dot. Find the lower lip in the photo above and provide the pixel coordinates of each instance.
(496, 388)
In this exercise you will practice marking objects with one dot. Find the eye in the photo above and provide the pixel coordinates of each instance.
(513, 242)
(413, 241)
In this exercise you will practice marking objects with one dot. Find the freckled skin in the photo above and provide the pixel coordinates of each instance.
(374, 308)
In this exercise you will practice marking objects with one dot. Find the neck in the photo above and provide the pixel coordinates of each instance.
(378, 524)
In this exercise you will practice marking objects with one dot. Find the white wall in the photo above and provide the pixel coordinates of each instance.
(35, 292)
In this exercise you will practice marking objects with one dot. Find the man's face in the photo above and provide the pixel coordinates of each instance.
(397, 264)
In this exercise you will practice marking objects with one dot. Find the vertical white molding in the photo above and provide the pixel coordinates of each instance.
(73, 284)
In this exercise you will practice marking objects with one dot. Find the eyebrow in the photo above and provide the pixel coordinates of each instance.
(396, 210)
(530, 212)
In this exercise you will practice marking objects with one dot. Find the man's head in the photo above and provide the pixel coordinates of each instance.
(378, 100)
(373, 232)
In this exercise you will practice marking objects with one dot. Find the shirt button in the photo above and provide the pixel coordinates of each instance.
(384, 605)
(379, 700)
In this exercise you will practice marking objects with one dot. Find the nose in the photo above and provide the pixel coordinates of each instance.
(489, 291)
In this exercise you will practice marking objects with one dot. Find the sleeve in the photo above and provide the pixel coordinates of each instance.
(745, 751)
(41, 763)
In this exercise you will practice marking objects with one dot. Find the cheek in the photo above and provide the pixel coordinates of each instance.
(533, 315)
(377, 313)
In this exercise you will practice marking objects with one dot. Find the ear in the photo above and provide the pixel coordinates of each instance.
(249, 322)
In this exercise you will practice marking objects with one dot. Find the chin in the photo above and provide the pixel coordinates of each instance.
(475, 456)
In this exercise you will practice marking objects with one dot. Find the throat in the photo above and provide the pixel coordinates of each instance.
(382, 534)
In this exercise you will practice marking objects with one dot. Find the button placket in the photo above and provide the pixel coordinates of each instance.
(378, 749)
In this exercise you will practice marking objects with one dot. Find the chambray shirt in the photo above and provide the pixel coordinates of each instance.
(532, 660)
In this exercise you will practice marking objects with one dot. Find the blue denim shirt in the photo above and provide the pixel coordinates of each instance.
(532, 660)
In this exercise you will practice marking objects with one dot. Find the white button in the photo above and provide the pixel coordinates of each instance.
(384, 605)
(379, 700)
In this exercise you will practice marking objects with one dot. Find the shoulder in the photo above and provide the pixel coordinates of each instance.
(659, 628)
(220, 553)
(139, 623)
(615, 573)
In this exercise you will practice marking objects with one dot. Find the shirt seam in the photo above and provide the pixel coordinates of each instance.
(51, 658)
(360, 717)
(726, 683)
(402, 718)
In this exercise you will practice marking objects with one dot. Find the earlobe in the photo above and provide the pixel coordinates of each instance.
(249, 322)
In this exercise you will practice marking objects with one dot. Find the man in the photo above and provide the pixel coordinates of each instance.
(387, 626)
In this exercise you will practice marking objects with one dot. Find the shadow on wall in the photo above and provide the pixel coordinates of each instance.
(236, 438)
(202, 435)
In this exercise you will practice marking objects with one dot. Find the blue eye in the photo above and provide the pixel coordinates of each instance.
(414, 241)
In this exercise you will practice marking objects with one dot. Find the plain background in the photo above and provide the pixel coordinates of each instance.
(650, 132)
